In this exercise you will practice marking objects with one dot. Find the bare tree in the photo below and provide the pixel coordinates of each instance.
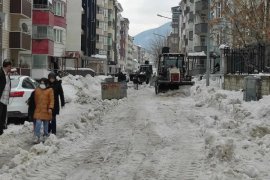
(157, 44)
(248, 20)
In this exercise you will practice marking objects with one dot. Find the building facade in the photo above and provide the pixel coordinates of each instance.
(174, 37)
(73, 54)
(15, 32)
(124, 43)
(48, 36)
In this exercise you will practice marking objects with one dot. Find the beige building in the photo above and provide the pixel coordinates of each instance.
(124, 41)
(16, 32)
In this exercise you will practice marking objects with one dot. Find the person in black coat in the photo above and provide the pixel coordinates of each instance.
(5, 87)
(58, 91)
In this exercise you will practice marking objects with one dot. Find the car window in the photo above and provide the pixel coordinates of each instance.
(34, 82)
(14, 83)
(27, 84)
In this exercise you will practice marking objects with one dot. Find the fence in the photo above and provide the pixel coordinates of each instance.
(249, 60)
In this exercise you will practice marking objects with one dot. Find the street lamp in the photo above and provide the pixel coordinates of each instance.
(165, 38)
(159, 15)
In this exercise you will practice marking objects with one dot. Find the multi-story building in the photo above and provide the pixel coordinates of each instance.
(73, 55)
(88, 25)
(124, 43)
(174, 37)
(49, 35)
(15, 32)
(193, 34)
(118, 18)
(194, 23)
(130, 48)
(111, 37)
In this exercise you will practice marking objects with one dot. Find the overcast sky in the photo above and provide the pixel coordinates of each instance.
(142, 14)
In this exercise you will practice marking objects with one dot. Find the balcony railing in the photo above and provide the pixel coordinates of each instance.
(200, 48)
(43, 7)
(201, 6)
(21, 7)
(201, 28)
(19, 40)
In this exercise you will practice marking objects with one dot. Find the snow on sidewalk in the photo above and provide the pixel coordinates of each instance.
(201, 132)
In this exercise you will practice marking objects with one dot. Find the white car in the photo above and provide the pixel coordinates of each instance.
(21, 89)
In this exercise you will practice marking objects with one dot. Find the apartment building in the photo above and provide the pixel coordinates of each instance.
(88, 26)
(193, 34)
(49, 35)
(174, 37)
(118, 11)
(124, 43)
(15, 17)
(73, 54)
(111, 37)
(130, 51)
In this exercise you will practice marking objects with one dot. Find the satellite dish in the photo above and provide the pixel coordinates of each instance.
(24, 27)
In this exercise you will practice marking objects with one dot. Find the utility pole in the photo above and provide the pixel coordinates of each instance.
(208, 45)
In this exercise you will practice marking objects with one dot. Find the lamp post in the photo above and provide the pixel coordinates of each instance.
(165, 38)
(159, 15)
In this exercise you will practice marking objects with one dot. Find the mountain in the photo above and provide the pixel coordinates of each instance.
(144, 38)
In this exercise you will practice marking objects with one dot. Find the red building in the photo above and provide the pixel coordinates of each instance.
(48, 35)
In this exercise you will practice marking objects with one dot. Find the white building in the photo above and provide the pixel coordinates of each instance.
(74, 31)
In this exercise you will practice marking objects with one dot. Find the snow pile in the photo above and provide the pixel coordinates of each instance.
(235, 132)
(81, 114)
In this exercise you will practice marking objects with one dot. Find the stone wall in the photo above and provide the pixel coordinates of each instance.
(236, 83)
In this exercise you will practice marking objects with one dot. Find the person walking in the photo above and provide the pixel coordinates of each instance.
(44, 104)
(5, 87)
(56, 85)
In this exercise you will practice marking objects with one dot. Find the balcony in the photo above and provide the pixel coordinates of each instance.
(19, 40)
(201, 28)
(200, 48)
(99, 31)
(100, 17)
(201, 7)
(22, 8)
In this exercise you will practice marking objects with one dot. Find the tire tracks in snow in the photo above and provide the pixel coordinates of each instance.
(147, 137)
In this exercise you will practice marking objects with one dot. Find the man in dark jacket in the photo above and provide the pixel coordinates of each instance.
(5, 87)
(58, 91)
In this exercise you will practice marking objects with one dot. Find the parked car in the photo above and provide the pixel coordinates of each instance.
(21, 89)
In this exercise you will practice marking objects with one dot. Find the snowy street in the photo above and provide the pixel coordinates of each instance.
(192, 133)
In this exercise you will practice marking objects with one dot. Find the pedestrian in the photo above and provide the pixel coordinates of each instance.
(44, 104)
(56, 85)
(31, 108)
(5, 87)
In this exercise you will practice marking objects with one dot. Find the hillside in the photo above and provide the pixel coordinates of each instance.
(144, 38)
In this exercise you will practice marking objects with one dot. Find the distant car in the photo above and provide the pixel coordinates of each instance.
(21, 89)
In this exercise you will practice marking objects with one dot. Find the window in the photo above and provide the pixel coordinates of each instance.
(58, 35)
(59, 9)
(27, 84)
(42, 32)
(190, 35)
(203, 40)
(218, 10)
(39, 61)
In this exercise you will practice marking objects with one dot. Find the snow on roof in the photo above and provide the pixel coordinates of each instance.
(197, 54)
(223, 46)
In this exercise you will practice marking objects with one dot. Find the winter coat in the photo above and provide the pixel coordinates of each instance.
(44, 100)
(3, 81)
(58, 91)
(31, 106)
